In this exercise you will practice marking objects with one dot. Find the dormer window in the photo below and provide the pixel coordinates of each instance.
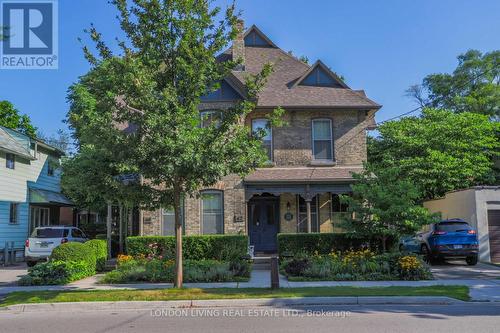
(262, 125)
(10, 161)
(322, 143)
(209, 117)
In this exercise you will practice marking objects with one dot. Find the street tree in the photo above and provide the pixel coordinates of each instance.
(143, 102)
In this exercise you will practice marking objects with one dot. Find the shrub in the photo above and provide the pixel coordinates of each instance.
(205, 247)
(207, 271)
(76, 252)
(322, 243)
(54, 273)
(297, 266)
(100, 248)
(412, 268)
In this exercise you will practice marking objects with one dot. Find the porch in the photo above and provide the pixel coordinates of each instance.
(294, 200)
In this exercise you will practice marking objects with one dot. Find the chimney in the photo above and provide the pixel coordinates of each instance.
(239, 45)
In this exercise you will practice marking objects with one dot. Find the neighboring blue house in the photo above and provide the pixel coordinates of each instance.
(30, 192)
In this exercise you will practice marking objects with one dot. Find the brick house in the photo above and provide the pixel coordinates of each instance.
(311, 159)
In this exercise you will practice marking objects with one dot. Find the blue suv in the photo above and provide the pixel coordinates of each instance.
(452, 238)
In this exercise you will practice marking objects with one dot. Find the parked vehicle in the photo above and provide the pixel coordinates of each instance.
(453, 238)
(44, 239)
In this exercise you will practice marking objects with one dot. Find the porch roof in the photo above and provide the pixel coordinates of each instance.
(307, 175)
(304, 181)
(38, 196)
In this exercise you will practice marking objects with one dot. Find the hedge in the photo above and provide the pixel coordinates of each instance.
(322, 243)
(54, 272)
(76, 252)
(100, 248)
(205, 247)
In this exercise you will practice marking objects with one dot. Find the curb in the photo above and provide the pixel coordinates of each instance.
(240, 303)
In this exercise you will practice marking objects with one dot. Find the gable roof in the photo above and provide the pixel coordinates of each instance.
(281, 88)
(10, 145)
(320, 67)
(255, 38)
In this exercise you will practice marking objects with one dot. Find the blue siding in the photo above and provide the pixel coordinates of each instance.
(224, 93)
(13, 232)
(46, 182)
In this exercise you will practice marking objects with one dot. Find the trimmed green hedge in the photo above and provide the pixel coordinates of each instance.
(100, 248)
(323, 243)
(215, 247)
(76, 252)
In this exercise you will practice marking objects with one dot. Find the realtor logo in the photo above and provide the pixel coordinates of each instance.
(29, 37)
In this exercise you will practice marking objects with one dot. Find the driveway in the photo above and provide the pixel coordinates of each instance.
(10, 274)
(458, 269)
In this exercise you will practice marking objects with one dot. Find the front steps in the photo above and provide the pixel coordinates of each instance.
(261, 263)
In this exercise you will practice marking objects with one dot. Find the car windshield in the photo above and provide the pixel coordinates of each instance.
(453, 226)
(49, 233)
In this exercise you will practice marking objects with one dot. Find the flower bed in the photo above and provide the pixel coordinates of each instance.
(155, 269)
(355, 266)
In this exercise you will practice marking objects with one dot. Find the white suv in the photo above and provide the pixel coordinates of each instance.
(44, 239)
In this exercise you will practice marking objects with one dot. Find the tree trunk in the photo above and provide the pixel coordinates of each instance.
(178, 239)
(120, 228)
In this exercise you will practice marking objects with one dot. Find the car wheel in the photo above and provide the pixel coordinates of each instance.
(471, 261)
(426, 254)
(30, 263)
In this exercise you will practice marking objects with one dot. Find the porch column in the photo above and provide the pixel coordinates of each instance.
(309, 218)
(108, 230)
(120, 228)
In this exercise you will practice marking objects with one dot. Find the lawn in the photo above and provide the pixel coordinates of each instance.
(458, 292)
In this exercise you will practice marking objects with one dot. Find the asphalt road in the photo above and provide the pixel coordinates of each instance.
(476, 317)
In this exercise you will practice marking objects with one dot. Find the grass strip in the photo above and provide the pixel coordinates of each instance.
(24, 297)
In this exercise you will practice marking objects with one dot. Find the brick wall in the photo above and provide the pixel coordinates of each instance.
(292, 147)
(292, 143)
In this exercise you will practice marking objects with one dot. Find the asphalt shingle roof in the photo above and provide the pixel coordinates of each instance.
(303, 174)
(279, 89)
(11, 145)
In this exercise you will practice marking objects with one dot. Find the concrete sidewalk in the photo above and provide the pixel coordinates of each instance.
(480, 290)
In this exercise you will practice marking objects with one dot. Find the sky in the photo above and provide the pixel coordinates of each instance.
(381, 46)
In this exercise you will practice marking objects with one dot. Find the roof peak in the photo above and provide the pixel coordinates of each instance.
(254, 37)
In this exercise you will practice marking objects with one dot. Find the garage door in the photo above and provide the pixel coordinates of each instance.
(494, 231)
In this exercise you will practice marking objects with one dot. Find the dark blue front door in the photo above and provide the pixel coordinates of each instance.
(263, 219)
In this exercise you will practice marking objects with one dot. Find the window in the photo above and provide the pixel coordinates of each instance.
(14, 207)
(261, 127)
(210, 117)
(77, 233)
(10, 161)
(51, 166)
(322, 139)
(212, 212)
(169, 220)
(302, 223)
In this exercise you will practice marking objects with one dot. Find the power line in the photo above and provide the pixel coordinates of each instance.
(413, 110)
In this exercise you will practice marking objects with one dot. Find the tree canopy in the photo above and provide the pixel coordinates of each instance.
(10, 117)
(439, 150)
(472, 87)
(142, 106)
(384, 205)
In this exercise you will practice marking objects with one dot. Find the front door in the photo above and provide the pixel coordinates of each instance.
(263, 219)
